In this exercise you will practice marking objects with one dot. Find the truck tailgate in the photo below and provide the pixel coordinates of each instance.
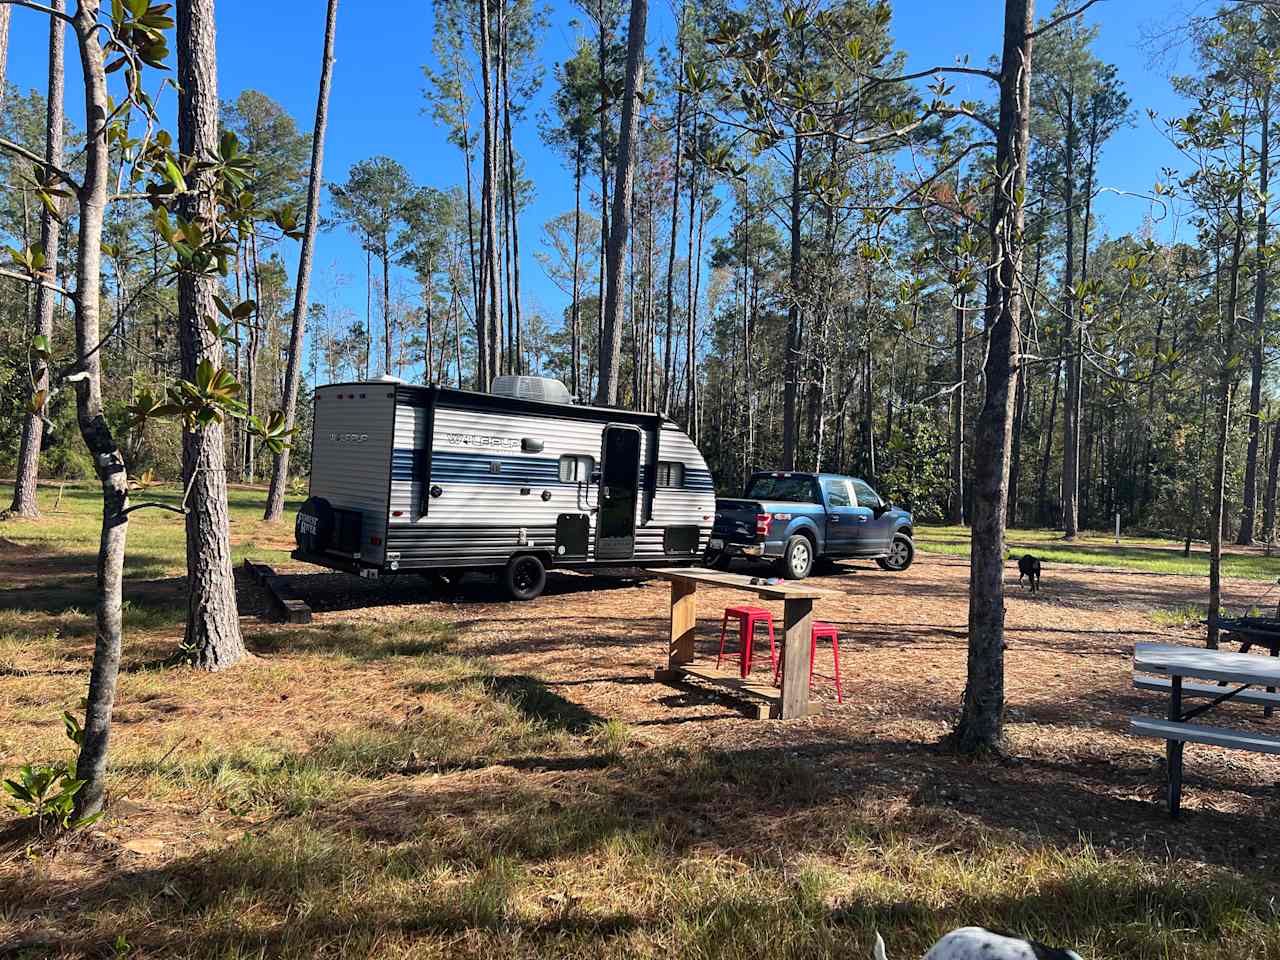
(736, 520)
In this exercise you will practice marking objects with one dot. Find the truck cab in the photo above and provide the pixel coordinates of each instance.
(796, 520)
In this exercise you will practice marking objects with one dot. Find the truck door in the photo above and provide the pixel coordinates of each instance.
(879, 529)
(846, 521)
(619, 493)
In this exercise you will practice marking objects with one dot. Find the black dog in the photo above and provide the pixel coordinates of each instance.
(1029, 567)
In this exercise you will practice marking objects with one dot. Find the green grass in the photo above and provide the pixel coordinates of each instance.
(156, 541)
(1145, 554)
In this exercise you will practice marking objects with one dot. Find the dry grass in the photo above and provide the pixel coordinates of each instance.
(416, 778)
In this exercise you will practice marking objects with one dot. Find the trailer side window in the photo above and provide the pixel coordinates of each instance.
(576, 469)
(670, 474)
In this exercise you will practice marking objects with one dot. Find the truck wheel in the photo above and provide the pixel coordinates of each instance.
(901, 552)
(524, 577)
(797, 558)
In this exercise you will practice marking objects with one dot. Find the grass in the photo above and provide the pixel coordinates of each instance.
(1146, 554)
(369, 788)
(156, 537)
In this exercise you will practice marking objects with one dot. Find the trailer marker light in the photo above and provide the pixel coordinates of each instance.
(375, 540)
(397, 513)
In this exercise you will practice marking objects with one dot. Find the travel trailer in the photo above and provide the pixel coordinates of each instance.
(441, 482)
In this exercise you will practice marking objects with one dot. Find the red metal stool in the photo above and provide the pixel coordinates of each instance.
(824, 631)
(748, 618)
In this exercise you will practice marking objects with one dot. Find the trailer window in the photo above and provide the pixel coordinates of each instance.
(670, 474)
(576, 469)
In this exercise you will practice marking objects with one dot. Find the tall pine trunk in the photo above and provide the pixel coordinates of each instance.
(213, 622)
(575, 308)
(488, 319)
(611, 339)
(1071, 400)
(280, 471)
(981, 723)
(28, 467)
(671, 247)
(1248, 507)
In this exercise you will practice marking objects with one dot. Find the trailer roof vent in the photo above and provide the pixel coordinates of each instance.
(532, 388)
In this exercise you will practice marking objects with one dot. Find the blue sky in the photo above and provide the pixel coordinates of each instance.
(376, 105)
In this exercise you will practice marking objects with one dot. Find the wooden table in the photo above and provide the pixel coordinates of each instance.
(1181, 663)
(797, 615)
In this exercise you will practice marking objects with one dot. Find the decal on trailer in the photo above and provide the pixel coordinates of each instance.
(480, 440)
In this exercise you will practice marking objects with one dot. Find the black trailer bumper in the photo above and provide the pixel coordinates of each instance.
(335, 562)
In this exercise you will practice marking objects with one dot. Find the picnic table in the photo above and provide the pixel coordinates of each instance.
(797, 615)
(1176, 665)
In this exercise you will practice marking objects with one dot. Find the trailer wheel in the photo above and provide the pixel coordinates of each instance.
(718, 561)
(525, 577)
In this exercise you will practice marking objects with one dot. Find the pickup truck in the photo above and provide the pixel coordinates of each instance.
(797, 520)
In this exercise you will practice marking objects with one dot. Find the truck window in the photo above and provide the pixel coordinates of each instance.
(866, 496)
(837, 491)
(787, 489)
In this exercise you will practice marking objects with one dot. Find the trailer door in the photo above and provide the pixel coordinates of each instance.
(619, 493)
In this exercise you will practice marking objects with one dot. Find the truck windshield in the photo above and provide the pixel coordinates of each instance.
(789, 489)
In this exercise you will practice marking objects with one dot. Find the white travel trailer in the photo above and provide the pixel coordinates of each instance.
(441, 481)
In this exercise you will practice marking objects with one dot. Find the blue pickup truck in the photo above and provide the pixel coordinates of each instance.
(797, 520)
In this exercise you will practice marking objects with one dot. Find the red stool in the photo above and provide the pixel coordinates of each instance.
(748, 618)
(823, 631)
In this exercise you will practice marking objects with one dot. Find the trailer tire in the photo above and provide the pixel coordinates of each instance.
(719, 561)
(797, 558)
(524, 576)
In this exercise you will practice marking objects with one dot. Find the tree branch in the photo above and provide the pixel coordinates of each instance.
(1045, 28)
(40, 8)
(19, 150)
(37, 281)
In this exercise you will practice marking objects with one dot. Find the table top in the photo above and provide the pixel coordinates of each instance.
(1178, 660)
(790, 590)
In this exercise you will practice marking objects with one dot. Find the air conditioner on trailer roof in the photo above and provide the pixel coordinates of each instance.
(532, 388)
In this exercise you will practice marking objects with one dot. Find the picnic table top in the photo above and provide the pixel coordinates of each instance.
(1183, 661)
(738, 581)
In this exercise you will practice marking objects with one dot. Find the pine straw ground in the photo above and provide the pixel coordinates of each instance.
(408, 777)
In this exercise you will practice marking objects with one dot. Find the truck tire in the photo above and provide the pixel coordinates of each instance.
(797, 558)
(525, 577)
(902, 550)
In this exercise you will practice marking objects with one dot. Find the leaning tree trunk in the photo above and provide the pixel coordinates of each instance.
(611, 339)
(28, 467)
(980, 727)
(91, 765)
(213, 622)
(280, 472)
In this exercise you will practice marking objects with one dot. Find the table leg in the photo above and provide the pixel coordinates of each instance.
(1275, 652)
(797, 615)
(684, 621)
(1173, 748)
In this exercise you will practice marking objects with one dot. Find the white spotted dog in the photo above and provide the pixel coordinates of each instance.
(975, 943)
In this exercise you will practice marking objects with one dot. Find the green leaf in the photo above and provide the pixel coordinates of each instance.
(175, 175)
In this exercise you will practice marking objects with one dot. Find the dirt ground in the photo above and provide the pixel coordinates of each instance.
(1073, 769)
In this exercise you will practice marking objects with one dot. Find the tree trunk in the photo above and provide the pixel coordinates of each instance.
(957, 420)
(611, 340)
(27, 474)
(513, 211)
(1273, 474)
(980, 727)
(791, 364)
(213, 622)
(280, 471)
(1249, 501)
(575, 308)
(91, 765)
(671, 248)
(489, 322)
(1071, 401)
(5, 11)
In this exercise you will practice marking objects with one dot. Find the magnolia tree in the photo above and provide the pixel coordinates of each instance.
(200, 207)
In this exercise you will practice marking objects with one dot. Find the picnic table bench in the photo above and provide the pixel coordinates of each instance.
(759, 698)
(1175, 663)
